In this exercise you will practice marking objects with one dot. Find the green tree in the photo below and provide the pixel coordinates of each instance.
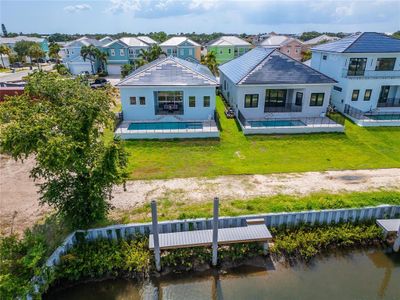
(102, 57)
(63, 127)
(4, 50)
(22, 49)
(54, 49)
(210, 61)
(146, 56)
(36, 52)
(126, 70)
(90, 52)
(306, 55)
(396, 34)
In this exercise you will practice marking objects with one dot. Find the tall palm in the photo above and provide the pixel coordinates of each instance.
(210, 60)
(149, 55)
(4, 50)
(102, 58)
(89, 52)
(54, 48)
(156, 52)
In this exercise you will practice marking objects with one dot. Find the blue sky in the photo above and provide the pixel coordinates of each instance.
(175, 16)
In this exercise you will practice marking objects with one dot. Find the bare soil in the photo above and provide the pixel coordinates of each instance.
(20, 209)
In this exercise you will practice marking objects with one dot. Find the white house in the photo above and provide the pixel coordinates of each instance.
(273, 93)
(168, 98)
(366, 67)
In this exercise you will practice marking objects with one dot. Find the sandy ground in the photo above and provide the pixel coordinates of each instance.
(19, 207)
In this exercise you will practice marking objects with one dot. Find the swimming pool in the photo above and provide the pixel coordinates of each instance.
(386, 117)
(276, 123)
(165, 125)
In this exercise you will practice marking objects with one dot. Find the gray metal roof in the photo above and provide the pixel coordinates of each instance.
(170, 71)
(252, 233)
(269, 66)
(365, 42)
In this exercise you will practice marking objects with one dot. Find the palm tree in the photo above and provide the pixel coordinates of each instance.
(36, 52)
(146, 56)
(4, 50)
(210, 61)
(102, 57)
(89, 52)
(54, 48)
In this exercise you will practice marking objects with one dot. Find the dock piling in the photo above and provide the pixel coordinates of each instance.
(215, 233)
(154, 221)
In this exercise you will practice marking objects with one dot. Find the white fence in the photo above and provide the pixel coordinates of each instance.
(271, 220)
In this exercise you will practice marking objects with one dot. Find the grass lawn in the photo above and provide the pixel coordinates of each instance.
(172, 209)
(234, 153)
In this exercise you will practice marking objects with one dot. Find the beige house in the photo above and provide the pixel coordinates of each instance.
(290, 46)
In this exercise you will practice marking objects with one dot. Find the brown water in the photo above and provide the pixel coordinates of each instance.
(358, 275)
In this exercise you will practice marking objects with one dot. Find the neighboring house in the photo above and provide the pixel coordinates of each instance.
(367, 68)
(290, 46)
(10, 42)
(123, 51)
(106, 40)
(323, 38)
(271, 92)
(182, 47)
(72, 56)
(4, 59)
(147, 40)
(168, 98)
(227, 48)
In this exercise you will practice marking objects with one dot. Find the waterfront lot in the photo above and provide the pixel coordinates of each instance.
(234, 153)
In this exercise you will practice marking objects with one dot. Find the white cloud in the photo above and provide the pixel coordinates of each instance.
(77, 8)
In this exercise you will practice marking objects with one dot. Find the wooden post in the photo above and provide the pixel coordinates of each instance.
(155, 235)
(215, 233)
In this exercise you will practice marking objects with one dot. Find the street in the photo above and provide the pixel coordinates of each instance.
(20, 74)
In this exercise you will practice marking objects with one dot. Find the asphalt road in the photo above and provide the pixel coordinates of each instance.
(18, 75)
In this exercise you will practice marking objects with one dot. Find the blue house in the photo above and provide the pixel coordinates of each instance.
(366, 67)
(10, 42)
(124, 51)
(271, 92)
(182, 47)
(71, 56)
(168, 98)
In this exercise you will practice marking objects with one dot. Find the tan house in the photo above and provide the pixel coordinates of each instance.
(290, 46)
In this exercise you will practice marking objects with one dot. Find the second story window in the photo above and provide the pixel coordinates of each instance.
(206, 101)
(385, 64)
(229, 50)
(192, 101)
(112, 52)
(299, 98)
(324, 57)
(354, 95)
(142, 100)
(121, 52)
(357, 66)
(132, 100)
(367, 95)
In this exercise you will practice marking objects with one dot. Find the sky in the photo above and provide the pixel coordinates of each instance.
(175, 16)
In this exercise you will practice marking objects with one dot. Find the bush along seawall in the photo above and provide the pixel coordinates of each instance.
(122, 251)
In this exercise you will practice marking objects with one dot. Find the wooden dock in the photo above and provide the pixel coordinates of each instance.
(198, 238)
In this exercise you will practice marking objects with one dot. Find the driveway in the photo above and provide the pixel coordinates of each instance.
(113, 79)
(4, 77)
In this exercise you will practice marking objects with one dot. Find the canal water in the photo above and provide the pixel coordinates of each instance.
(364, 275)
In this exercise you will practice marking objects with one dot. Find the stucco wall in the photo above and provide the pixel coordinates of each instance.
(147, 112)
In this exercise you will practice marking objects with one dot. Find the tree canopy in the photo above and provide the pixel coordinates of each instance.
(61, 122)
(22, 48)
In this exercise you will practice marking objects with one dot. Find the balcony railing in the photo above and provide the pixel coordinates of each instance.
(370, 74)
(390, 102)
(283, 109)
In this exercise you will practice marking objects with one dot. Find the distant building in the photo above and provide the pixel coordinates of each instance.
(323, 38)
(227, 48)
(292, 47)
(10, 42)
(182, 47)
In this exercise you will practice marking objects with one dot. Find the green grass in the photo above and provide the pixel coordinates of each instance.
(169, 209)
(234, 153)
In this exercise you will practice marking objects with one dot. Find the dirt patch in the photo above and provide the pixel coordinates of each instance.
(19, 199)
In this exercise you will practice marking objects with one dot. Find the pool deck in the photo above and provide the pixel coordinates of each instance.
(365, 121)
(312, 125)
(209, 130)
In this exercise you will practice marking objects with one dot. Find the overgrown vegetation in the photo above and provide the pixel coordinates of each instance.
(234, 153)
(170, 208)
(306, 241)
(61, 121)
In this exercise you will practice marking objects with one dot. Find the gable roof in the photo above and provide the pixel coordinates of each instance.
(274, 41)
(269, 66)
(170, 71)
(229, 41)
(177, 40)
(365, 42)
(84, 41)
(105, 40)
(146, 39)
(320, 39)
(133, 42)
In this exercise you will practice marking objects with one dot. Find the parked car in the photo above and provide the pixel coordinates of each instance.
(84, 73)
(16, 65)
(99, 83)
